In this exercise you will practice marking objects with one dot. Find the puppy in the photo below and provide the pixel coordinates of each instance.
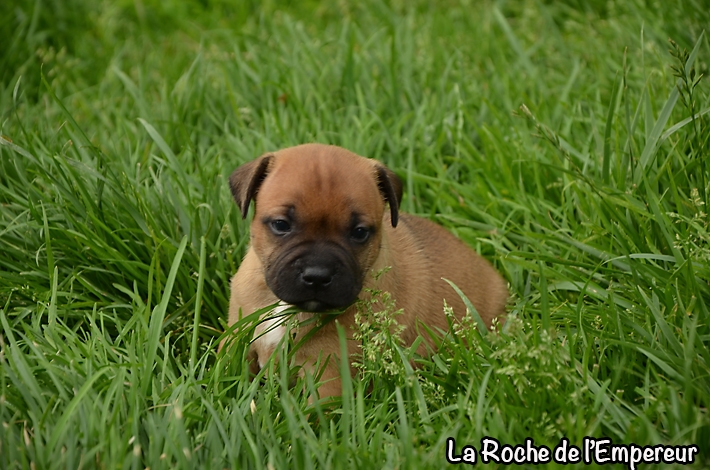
(320, 231)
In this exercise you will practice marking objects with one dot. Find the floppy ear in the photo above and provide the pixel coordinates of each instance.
(245, 181)
(391, 188)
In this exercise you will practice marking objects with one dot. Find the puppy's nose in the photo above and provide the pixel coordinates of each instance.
(317, 276)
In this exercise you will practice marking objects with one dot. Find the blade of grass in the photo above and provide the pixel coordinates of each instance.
(158, 316)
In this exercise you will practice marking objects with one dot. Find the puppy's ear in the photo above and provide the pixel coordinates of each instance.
(391, 188)
(245, 181)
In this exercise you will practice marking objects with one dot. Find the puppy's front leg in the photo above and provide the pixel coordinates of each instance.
(321, 351)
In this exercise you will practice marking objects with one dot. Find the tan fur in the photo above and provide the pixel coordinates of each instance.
(325, 184)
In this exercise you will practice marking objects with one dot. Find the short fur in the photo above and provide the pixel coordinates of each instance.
(326, 191)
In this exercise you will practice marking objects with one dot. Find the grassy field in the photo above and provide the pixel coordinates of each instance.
(567, 142)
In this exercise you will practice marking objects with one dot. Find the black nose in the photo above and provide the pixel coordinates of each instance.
(317, 276)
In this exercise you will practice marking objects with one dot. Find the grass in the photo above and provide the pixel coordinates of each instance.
(567, 142)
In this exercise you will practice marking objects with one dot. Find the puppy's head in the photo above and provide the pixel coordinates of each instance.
(318, 219)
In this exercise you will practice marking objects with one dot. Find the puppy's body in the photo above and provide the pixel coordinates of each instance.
(329, 197)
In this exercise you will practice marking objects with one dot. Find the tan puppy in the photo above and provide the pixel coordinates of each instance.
(319, 233)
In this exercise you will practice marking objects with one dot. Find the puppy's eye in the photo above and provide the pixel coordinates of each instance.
(360, 234)
(280, 226)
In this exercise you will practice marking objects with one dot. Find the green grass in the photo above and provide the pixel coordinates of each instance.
(567, 142)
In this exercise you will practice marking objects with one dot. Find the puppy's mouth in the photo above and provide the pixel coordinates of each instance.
(317, 302)
(315, 280)
(315, 306)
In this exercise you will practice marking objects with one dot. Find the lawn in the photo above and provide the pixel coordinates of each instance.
(567, 142)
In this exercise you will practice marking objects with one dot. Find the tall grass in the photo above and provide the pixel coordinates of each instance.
(567, 142)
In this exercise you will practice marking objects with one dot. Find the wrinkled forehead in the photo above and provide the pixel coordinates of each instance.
(319, 185)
